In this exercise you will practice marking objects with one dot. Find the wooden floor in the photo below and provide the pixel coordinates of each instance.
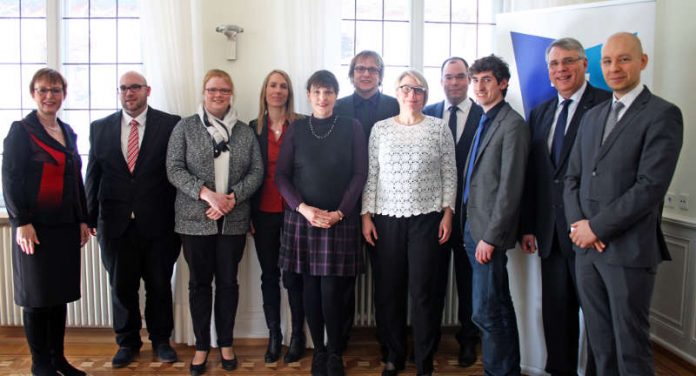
(92, 349)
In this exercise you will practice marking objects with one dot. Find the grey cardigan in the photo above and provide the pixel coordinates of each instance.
(190, 166)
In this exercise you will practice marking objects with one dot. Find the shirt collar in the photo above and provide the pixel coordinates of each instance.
(463, 106)
(140, 118)
(576, 96)
(493, 112)
(629, 97)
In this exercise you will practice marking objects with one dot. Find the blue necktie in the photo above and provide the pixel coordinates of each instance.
(559, 133)
(472, 156)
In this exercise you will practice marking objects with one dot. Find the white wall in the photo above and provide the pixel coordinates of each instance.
(675, 79)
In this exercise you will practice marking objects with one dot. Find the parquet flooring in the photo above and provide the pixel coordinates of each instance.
(92, 349)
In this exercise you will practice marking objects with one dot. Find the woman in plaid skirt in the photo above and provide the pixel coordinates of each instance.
(321, 173)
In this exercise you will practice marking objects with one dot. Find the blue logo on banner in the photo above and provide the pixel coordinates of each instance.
(530, 51)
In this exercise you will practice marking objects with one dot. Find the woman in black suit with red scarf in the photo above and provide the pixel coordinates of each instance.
(45, 198)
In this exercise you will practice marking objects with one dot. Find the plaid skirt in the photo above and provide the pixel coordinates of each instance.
(335, 251)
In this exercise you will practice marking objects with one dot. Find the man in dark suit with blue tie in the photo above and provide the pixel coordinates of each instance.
(462, 115)
(131, 204)
(368, 105)
(553, 126)
(619, 170)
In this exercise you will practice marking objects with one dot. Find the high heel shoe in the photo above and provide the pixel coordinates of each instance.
(199, 369)
(228, 364)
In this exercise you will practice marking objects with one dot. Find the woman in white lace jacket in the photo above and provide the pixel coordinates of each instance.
(407, 209)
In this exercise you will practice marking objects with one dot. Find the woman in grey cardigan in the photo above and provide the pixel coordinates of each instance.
(214, 161)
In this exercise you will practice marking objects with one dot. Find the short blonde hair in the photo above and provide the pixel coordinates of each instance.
(416, 75)
(220, 74)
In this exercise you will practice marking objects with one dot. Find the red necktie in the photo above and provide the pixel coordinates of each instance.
(133, 145)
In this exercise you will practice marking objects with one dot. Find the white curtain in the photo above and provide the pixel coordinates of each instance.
(171, 39)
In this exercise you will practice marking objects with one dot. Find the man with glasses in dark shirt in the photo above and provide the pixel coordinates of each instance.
(368, 105)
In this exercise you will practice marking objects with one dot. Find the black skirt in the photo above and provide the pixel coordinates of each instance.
(50, 276)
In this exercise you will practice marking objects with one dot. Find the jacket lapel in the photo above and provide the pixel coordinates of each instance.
(636, 108)
(492, 128)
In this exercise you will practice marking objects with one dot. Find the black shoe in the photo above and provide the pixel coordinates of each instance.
(124, 356)
(164, 352)
(296, 349)
(389, 369)
(319, 363)
(199, 369)
(228, 364)
(334, 365)
(275, 340)
(43, 370)
(467, 354)
(66, 369)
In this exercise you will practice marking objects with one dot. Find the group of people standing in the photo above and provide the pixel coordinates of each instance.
(415, 186)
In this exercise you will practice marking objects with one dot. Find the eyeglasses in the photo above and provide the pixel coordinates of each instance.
(418, 90)
(554, 64)
(123, 89)
(363, 69)
(215, 90)
(43, 91)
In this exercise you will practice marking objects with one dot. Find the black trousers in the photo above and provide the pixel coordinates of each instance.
(267, 228)
(127, 259)
(560, 306)
(406, 261)
(213, 257)
(468, 333)
(324, 300)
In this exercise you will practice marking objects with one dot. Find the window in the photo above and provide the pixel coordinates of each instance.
(24, 50)
(91, 42)
(101, 42)
(418, 34)
(461, 28)
(383, 26)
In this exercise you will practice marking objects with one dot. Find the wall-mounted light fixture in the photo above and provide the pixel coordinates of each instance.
(231, 32)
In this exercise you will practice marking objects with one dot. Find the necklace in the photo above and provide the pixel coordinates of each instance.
(314, 133)
(276, 131)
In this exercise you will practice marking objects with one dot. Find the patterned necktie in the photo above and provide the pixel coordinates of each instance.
(559, 133)
(612, 119)
(453, 122)
(133, 145)
(472, 156)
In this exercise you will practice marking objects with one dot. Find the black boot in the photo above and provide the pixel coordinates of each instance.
(297, 348)
(56, 331)
(36, 323)
(275, 341)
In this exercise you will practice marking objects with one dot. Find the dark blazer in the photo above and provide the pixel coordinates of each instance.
(461, 149)
(386, 107)
(619, 185)
(542, 202)
(113, 193)
(497, 180)
(29, 154)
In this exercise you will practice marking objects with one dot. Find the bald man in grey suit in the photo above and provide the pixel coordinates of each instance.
(618, 173)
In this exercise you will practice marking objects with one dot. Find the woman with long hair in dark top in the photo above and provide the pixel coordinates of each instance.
(320, 173)
(45, 198)
(276, 112)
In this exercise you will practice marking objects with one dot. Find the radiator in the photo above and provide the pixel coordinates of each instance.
(94, 309)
